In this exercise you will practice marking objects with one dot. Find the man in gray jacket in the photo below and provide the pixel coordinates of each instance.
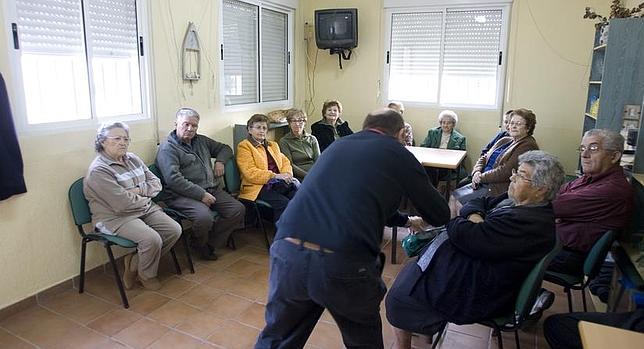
(192, 185)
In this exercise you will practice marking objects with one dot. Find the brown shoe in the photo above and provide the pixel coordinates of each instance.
(152, 284)
(130, 270)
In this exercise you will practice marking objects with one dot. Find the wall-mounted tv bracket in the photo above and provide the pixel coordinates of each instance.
(343, 53)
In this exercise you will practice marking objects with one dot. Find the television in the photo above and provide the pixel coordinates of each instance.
(336, 28)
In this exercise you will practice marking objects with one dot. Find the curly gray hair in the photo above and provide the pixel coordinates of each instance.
(548, 171)
(448, 114)
(103, 130)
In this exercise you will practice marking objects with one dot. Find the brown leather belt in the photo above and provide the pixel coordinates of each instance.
(308, 245)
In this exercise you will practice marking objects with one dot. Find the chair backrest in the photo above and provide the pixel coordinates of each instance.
(232, 179)
(155, 170)
(531, 286)
(79, 205)
(597, 254)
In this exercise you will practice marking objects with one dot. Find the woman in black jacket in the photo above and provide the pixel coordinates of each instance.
(331, 127)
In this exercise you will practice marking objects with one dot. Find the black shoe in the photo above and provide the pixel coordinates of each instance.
(206, 253)
(543, 302)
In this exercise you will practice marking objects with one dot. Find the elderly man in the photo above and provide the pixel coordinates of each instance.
(193, 185)
(325, 253)
(473, 270)
(598, 201)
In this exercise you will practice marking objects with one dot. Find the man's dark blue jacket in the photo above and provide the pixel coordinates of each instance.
(354, 189)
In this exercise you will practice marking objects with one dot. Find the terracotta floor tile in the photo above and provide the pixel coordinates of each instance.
(173, 313)
(175, 340)
(105, 287)
(202, 274)
(326, 335)
(7, 340)
(39, 326)
(234, 335)
(246, 288)
(114, 321)
(78, 306)
(228, 306)
(174, 287)
(223, 280)
(253, 316)
(200, 296)
(244, 268)
(111, 344)
(78, 338)
(201, 325)
(148, 302)
(141, 333)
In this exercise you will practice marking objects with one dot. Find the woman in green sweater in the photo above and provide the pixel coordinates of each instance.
(300, 148)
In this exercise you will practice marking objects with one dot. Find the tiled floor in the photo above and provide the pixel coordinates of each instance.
(220, 306)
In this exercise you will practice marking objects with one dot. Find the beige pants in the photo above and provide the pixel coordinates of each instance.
(155, 233)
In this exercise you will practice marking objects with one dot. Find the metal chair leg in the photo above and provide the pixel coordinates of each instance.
(231, 241)
(439, 335)
(261, 226)
(516, 338)
(394, 244)
(583, 299)
(177, 267)
(499, 337)
(81, 281)
(569, 293)
(117, 276)
(186, 244)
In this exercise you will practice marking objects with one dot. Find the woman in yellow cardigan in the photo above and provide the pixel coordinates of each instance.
(266, 173)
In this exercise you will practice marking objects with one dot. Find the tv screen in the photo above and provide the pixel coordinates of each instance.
(336, 28)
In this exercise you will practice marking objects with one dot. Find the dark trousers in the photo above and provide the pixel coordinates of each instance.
(278, 201)
(304, 282)
(562, 331)
(568, 262)
(231, 216)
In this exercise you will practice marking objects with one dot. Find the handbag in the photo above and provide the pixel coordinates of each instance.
(467, 193)
(412, 244)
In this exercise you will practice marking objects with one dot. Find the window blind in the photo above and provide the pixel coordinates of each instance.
(414, 56)
(51, 26)
(274, 56)
(111, 27)
(240, 32)
(471, 56)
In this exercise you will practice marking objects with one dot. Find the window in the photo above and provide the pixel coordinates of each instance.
(79, 61)
(446, 56)
(255, 53)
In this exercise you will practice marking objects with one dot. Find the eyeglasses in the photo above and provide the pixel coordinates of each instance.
(516, 123)
(592, 148)
(119, 139)
(298, 121)
(517, 174)
(260, 128)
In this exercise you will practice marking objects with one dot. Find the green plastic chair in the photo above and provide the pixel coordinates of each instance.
(232, 179)
(82, 216)
(177, 216)
(525, 301)
(592, 265)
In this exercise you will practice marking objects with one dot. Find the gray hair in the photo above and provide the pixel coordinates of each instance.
(548, 171)
(187, 112)
(448, 114)
(611, 140)
(103, 130)
(398, 106)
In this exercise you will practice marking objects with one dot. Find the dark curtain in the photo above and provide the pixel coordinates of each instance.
(11, 167)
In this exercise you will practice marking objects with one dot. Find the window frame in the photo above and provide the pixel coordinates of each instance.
(475, 5)
(145, 77)
(283, 6)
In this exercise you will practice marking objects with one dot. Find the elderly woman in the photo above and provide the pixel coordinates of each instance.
(331, 127)
(445, 137)
(481, 258)
(266, 172)
(495, 167)
(300, 148)
(120, 188)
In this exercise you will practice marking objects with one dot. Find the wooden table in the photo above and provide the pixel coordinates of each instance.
(596, 336)
(431, 157)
